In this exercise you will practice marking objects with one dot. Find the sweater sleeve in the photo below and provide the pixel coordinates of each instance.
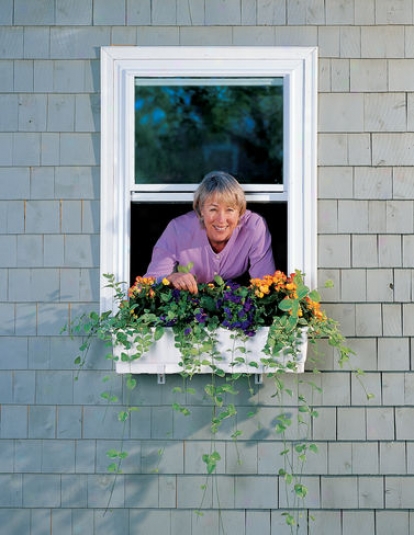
(261, 261)
(164, 258)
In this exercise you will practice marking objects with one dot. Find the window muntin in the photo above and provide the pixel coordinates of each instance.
(122, 66)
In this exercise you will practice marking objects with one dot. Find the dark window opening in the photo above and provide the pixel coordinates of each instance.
(148, 220)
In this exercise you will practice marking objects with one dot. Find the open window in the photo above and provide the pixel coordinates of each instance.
(172, 114)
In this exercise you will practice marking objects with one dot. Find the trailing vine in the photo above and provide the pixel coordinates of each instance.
(284, 306)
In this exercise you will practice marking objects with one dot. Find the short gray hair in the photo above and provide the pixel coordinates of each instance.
(225, 186)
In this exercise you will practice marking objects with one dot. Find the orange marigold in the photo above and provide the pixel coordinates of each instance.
(261, 286)
(141, 283)
(279, 278)
(315, 308)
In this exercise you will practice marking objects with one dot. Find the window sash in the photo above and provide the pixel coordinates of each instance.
(205, 82)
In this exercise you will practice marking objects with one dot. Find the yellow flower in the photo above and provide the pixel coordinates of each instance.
(264, 288)
(165, 281)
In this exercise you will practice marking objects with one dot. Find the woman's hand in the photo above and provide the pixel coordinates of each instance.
(183, 281)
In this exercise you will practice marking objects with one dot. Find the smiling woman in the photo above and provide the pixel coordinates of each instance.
(220, 237)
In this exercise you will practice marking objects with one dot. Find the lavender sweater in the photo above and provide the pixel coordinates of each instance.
(184, 241)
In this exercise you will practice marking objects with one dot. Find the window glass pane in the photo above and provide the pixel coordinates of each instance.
(186, 128)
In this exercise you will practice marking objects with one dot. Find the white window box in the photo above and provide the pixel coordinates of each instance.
(164, 358)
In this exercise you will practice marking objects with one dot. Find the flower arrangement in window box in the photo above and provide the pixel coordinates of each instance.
(224, 328)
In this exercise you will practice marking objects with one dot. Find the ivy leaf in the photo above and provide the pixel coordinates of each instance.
(113, 467)
(300, 490)
(159, 332)
(109, 397)
(211, 461)
(131, 383)
(123, 416)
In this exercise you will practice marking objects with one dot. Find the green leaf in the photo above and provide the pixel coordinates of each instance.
(211, 461)
(131, 383)
(302, 291)
(215, 456)
(210, 390)
(179, 408)
(113, 467)
(109, 397)
(286, 304)
(290, 520)
(185, 269)
(229, 388)
(123, 416)
(218, 280)
(159, 332)
(315, 296)
(300, 490)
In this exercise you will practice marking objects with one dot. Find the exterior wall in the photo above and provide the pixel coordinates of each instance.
(54, 430)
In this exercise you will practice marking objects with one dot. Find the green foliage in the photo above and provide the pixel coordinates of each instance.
(211, 461)
(283, 304)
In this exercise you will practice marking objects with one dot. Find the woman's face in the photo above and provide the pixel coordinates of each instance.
(220, 220)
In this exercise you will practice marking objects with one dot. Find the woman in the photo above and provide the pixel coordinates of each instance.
(220, 237)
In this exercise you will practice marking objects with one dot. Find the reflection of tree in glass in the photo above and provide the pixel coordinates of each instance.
(182, 132)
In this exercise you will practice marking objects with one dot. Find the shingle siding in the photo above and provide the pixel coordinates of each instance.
(55, 431)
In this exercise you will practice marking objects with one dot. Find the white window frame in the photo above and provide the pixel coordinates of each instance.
(120, 65)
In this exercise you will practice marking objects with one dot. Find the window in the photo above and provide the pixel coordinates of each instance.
(171, 114)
